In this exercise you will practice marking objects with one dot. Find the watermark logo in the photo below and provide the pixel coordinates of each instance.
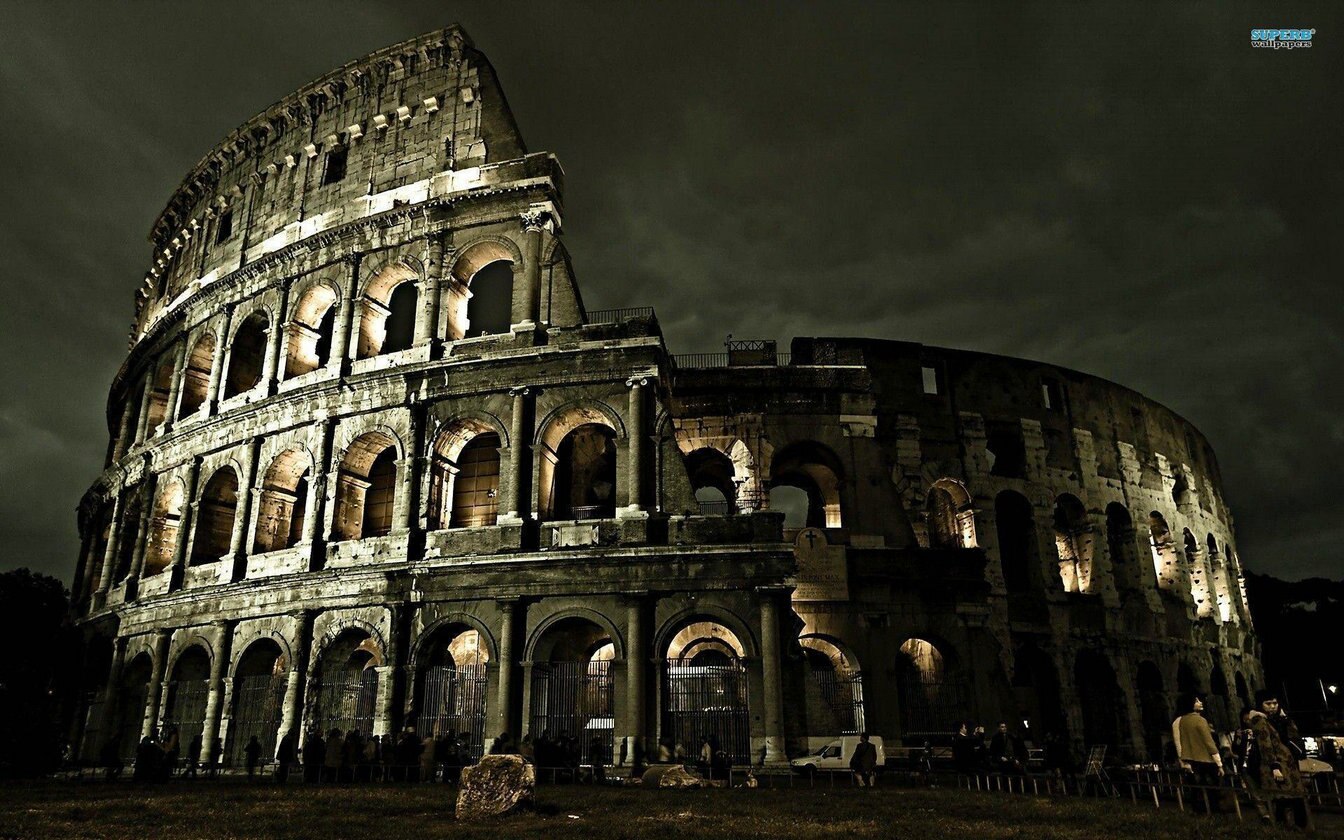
(1282, 39)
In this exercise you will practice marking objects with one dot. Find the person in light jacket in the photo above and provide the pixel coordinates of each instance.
(1195, 747)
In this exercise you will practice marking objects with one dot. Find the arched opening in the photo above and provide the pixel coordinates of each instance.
(948, 515)
(1243, 690)
(130, 518)
(1018, 550)
(387, 322)
(310, 331)
(816, 471)
(793, 502)
(464, 477)
(1073, 544)
(932, 696)
(1222, 586)
(366, 488)
(1036, 690)
(1160, 542)
(132, 696)
(196, 376)
(1007, 451)
(158, 395)
(188, 689)
(132, 412)
(282, 508)
(1122, 549)
(480, 300)
(246, 355)
(1186, 681)
(451, 680)
(1154, 710)
(214, 517)
(711, 474)
(163, 530)
(1100, 698)
(1219, 702)
(573, 693)
(1199, 575)
(258, 699)
(839, 685)
(584, 477)
(705, 690)
(346, 684)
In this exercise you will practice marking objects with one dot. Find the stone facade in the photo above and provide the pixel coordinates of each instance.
(336, 495)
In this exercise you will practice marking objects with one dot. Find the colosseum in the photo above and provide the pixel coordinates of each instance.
(374, 465)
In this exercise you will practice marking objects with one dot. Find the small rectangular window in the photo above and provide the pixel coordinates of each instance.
(930, 380)
(335, 168)
(1052, 396)
(225, 227)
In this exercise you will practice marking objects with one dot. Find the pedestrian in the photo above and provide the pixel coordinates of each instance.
(284, 756)
(597, 761)
(1007, 752)
(706, 757)
(664, 752)
(1247, 758)
(252, 754)
(1196, 749)
(331, 761)
(964, 749)
(427, 765)
(624, 753)
(314, 755)
(216, 756)
(863, 763)
(1280, 777)
(193, 756)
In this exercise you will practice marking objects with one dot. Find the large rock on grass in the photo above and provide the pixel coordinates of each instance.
(670, 776)
(497, 785)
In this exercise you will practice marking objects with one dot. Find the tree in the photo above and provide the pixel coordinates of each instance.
(33, 610)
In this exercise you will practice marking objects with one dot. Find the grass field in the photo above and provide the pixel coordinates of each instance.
(235, 809)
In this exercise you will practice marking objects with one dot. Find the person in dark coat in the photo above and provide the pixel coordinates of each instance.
(863, 763)
(964, 746)
(193, 756)
(147, 759)
(252, 754)
(1280, 777)
(314, 754)
(284, 757)
(1007, 751)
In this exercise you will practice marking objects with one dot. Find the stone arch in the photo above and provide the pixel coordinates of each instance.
(464, 472)
(343, 677)
(1019, 549)
(1163, 549)
(577, 468)
(161, 386)
(838, 680)
(950, 515)
(930, 685)
(740, 629)
(713, 480)
(449, 671)
(571, 687)
(247, 352)
(813, 468)
(1100, 698)
(132, 503)
(246, 639)
(346, 626)
(196, 375)
(260, 674)
(446, 622)
(594, 617)
(1154, 710)
(132, 699)
(366, 485)
(1073, 543)
(704, 657)
(187, 688)
(480, 296)
(387, 308)
(283, 501)
(216, 508)
(165, 522)
(1036, 683)
(311, 328)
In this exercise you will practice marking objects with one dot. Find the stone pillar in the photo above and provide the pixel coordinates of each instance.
(526, 300)
(638, 445)
(518, 503)
(154, 696)
(342, 338)
(141, 535)
(505, 712)
(124, 432)
(175, 388)
(408, 502)
(217, 363)
(185, 525)
(111, 695)
(296, 681)
(272, 371)
(109, 553)
(636, 667)
(214, 699)
(391, 689)
(242, 515)
(142, 419)
(427, 311)
(318, 504)
(773, 712)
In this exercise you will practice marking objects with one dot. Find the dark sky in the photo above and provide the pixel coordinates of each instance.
(1136, 194)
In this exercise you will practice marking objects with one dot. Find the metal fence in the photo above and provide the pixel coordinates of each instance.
(258, 704)
(346, 703)
(575, 700)
(709, 702)
(721, 360)
(452, 702)
(186, 709)
(843, 695)
(617, 316)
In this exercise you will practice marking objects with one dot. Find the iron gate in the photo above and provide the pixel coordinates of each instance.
(186, 710)
(258, 709)
(452, 702)
(709, 702)
(575, 700)
(843, 695)
(130, 718)
(346, 702)
(931, 705)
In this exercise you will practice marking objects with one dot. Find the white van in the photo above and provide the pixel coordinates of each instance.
(836, 755)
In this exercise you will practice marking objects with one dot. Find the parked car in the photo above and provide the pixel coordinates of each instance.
(836, 756)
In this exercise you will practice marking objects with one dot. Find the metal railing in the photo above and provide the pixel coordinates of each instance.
(720, 360)
(618, 316)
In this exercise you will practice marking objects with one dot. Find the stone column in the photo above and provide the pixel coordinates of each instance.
(154, 696)
(342, 336)
(111, 695)
(185, 525)
(295, 682)
(526, 300)
(175, 388)
(505, 713)
(242, 515)
(109, 553)
(272, 371)
(518, 505)
(141, 535)
(636, 667)
(217, 363)
(317, 506)
(214, 699)
(773, 712)
(427, 311)
(637, 445)
(124, 432)
(390, 696)
(142, 429)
